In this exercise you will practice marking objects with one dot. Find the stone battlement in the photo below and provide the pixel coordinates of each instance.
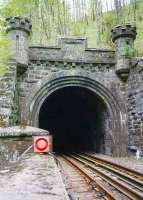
(126, 30)
(15, 23)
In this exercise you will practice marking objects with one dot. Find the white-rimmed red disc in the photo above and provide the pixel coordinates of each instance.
(42, 144)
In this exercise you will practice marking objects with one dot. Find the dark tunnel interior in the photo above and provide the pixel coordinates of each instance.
(75, 117)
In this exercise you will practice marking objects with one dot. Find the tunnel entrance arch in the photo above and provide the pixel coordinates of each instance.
(77, 119)
(115, 125)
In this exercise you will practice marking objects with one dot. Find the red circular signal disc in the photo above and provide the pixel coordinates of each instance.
(41, 144)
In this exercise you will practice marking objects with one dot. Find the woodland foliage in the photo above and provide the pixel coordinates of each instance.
(4, 50)
(84, 18)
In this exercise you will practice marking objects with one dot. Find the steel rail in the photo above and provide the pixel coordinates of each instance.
(137, 174)
(132, 177)
(119, 185)
(91, 179)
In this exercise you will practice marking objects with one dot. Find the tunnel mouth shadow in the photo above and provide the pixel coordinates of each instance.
(76, 117)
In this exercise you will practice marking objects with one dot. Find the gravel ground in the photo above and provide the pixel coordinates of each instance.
(76, 185)
(130, 162)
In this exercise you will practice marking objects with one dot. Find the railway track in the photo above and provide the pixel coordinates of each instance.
(78, 185)
(124, 172)
(115, 181)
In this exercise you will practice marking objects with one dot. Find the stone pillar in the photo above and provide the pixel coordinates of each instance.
(19, 30)
(123, 37)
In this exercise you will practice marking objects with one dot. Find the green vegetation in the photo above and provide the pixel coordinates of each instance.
(4, 51)
(54, 18)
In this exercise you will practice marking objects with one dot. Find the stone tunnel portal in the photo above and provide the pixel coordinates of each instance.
(76, 117)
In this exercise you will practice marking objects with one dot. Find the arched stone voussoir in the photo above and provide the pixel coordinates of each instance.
(59, 76)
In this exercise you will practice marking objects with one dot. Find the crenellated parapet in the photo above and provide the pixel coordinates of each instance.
(18, 23)
(19, 30)
(123, 31)
(123, 37)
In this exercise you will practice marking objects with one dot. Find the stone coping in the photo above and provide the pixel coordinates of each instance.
(59, 48)
(17, 131)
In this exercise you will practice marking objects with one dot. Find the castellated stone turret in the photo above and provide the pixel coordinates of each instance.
(19, 30)
(123, 37)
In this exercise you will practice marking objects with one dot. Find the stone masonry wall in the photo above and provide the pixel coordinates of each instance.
(100, 64)
(8, 107)
(135, 104)
(37, 70)
(101, 72)
(70, 54)
(73, 57)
